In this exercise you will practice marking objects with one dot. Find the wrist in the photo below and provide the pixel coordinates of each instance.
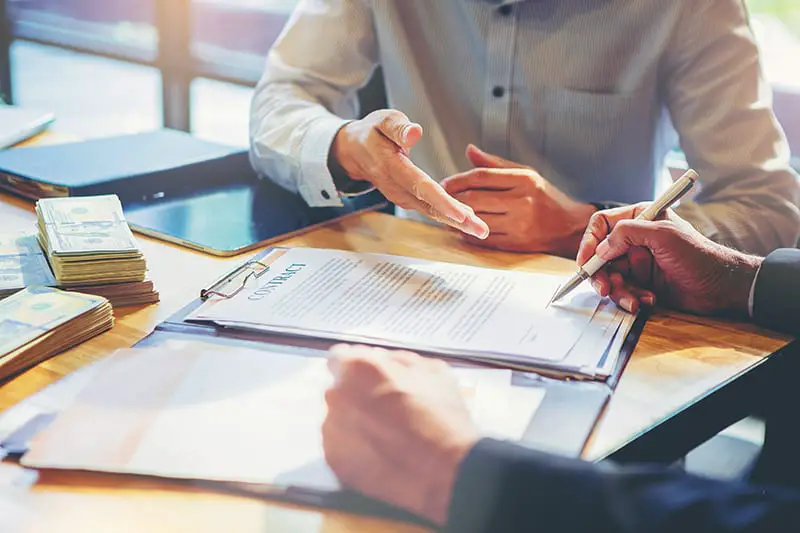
(339, 160)
(741, 273)
(439, 491)
(346, 185)
(568, 245)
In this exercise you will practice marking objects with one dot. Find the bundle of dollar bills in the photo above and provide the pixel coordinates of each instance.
(22, 263)
(40, 322)
(88, 241)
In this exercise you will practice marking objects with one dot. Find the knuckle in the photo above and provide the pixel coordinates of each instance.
(623, 227)
(530, 200)
(365, 369)
(666, 227)
(391, 120)
(536, 183)
(522, 227)
(334, 398)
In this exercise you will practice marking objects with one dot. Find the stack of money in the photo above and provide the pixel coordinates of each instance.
(122, 294)
(88, 241)
(22, 263)
(40, 322)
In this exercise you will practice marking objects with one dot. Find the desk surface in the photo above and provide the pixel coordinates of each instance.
(677, 361)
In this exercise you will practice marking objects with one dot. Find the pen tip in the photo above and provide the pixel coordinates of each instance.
(553, 298)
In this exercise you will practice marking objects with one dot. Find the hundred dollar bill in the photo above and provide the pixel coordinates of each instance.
(32, 312)
(22, 263)
(85, 225)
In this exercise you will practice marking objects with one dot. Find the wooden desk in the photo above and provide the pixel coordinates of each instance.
(677, 362)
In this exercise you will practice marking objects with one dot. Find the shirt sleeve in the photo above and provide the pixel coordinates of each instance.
(504, 488)
(326, 52)
(721, 107)
(776, 292)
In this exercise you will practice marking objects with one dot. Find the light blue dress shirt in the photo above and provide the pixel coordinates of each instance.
(585, 91)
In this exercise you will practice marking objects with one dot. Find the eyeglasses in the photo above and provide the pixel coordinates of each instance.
(248, 273)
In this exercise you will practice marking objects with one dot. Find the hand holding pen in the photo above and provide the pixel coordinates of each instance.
(597, 261)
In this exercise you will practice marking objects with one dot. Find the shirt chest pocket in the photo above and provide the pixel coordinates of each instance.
(601, 142)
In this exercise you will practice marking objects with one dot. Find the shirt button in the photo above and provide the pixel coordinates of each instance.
(505, 10)
(325, 194)
(498, 91)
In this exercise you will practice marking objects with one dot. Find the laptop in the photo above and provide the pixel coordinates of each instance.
(18, 124)
(229, 219)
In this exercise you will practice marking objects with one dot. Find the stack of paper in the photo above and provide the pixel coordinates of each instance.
(248, 416)
(22, 263)
(481, 314)
(88, 241)
(39, 322)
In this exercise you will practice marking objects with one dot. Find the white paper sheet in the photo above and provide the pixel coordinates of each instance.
(410, 303)
(234, 415)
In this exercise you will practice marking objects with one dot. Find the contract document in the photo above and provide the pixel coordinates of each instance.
(245, 416)
(459, 311)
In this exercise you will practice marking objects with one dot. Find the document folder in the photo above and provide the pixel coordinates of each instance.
(561, 425)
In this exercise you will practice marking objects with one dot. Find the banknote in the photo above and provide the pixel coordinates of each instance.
(85, 225)
(80, 209)
(89, 238)
(26, 315)
(22, 263)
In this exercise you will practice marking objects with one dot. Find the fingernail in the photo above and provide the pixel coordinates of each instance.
(480, 234)
(480, 228)
(649, 299)
(404, 133)
(597, 286)
(465, 213)
(626, 303)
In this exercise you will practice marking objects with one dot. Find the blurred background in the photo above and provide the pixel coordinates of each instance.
(118, 66)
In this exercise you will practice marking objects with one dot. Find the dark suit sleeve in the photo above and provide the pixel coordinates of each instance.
(776, 301)
(502, 487)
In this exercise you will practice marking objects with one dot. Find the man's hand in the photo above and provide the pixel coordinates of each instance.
(667, 261)
(525, 212)
(397, 428)
(376, 149)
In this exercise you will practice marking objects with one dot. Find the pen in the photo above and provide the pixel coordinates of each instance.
(678, 189)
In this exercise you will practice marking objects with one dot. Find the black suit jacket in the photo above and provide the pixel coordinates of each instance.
(502, 487)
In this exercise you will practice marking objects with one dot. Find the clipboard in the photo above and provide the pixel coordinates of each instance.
(561, 425)
(572, 407)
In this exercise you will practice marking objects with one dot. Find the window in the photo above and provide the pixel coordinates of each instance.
(121, 28)
(784, 12)
(776, 24)
(221, 111)
(96, 96)
(192, 45)
(231, 37)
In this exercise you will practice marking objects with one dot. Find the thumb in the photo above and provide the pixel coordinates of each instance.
(400, 130)
(482, 159)
(631, 233)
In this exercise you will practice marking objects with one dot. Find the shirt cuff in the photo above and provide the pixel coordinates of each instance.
(316, 183)
(751, 298)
